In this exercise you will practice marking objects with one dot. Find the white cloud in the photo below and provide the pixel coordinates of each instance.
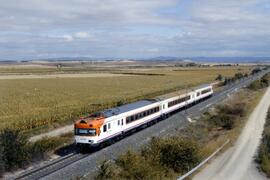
(81, 34)
(67, 38)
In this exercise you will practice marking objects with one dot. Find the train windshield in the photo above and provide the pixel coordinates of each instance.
(90, 132)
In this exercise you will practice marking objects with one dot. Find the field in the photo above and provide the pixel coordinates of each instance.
(37, 104)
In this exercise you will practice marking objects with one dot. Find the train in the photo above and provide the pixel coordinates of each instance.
(110, 124)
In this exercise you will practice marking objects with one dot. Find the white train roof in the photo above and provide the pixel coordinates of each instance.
(127, 107)
(181, 92)
(201, 86)
(139, 104)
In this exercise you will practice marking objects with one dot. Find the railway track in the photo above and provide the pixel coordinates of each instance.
(51, 167)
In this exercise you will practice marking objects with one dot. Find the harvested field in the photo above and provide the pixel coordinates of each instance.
(49, 76)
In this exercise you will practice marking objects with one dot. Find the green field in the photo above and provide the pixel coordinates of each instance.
(35, 104)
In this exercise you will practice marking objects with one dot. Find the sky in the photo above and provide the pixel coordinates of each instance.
(38, 29)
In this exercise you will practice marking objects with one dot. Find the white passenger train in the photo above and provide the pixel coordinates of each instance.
(113, 123)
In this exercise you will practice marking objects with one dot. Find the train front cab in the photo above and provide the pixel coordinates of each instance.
(87, 132)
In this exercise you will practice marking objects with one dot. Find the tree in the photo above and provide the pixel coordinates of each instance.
(264, 81)
(255, 71)
(2, 163)
(238, 75)
(14, 147)
(219, 77)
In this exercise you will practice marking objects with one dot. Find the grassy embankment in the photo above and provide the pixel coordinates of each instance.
(168, 157)
(34, 105)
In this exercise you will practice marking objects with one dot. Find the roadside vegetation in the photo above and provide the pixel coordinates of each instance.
(261, 83)
(162, 158)
(36, 105)
(171, 156)
(17, 152)
(263, 157)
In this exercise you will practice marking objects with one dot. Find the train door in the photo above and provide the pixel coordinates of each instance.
(163, 107)
(120, 123)
(193, 96)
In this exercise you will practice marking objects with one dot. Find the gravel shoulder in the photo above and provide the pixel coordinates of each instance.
(238, 161)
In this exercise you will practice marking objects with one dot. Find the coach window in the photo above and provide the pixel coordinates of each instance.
(118, 122)
(144, 114)
(105, 128)
(109, 125)
(122, 122)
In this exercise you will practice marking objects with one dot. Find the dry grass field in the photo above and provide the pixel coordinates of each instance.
(37, 104)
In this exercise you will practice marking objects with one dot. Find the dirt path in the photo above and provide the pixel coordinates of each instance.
(237, 163)
(53, 133)
(49, 76)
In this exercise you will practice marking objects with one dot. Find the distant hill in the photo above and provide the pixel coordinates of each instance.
(158, 59)
(214, 59)
(166, 58)
(232, 59)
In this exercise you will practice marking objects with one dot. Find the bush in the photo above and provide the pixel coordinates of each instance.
(179, 154)
(160, 159)
(255, 85)
(259, 84)
(130, 165)
(134, 166)
(39, 149)
(175, 153)
(223, 120)
(14, 146)
(237, 109)
(227, 115)
(108, 170)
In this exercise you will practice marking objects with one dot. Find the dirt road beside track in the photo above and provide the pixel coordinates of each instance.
(237, 163)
